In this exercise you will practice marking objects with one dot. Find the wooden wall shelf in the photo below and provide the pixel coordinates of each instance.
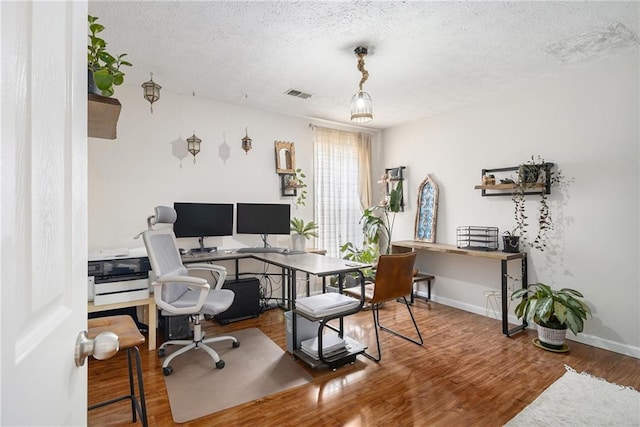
(507, 189)
(102, 116)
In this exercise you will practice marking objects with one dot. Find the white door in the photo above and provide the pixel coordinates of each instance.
(43, 193)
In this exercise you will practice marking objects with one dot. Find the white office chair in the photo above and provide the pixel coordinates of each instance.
(176, 293)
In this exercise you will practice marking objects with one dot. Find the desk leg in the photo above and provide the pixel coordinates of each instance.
(505, 298)
(292, 306)
(153, 324)
(505, 305)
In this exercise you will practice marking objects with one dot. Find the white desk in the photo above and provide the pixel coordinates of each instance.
(150, 304)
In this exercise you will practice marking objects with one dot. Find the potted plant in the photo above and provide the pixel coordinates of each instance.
(553, 311)
(511, 240)
(303, 231)
(368, 254)
(296, 180)
(377, 222)
(104, 68)
(534, 172)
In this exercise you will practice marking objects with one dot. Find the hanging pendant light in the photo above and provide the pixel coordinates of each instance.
(151, 91)
(361, 105)
(193, 145)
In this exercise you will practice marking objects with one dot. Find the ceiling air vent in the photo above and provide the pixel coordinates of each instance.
(298, 94)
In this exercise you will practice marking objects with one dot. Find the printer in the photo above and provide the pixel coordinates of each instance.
(118, 275)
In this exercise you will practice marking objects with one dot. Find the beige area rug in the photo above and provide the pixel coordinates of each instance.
(256, 369)
(581, 400)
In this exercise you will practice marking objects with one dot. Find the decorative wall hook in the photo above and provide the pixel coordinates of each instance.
(246, 142)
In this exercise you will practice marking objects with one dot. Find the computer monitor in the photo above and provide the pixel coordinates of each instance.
(203, 220)
(263, 218)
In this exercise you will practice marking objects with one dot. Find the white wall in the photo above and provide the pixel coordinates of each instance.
(587, 122)
(137, 171)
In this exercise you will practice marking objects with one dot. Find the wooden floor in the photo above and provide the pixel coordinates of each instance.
(466, 373)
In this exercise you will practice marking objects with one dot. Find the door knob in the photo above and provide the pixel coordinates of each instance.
(103, 346)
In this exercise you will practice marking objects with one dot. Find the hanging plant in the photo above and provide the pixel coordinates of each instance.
(104, 68)
(296, 180)
(531, 175)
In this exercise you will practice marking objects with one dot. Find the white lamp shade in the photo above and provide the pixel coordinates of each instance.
(361, 108)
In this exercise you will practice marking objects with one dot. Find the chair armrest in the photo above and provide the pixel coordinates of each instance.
(195, 282)
(218, 269)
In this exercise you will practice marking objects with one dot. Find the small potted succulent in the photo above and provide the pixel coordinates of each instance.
(104, 68)
(553, 311)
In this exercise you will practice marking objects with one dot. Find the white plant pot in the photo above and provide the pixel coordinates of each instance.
(552, 338)
(299, 242)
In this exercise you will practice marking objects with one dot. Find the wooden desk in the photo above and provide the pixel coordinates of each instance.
(503, 257)
(151, 308)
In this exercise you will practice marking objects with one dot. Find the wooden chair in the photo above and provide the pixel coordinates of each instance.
(394, 280)
(129, 338)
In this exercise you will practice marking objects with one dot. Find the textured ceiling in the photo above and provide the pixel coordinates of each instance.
(424, 57)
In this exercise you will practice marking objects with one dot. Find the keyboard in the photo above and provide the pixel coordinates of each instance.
(262, 250)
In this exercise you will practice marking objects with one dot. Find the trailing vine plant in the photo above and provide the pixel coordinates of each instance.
(529, 173)
(296, 180)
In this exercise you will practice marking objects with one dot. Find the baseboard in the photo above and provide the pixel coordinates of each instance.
(587, 339)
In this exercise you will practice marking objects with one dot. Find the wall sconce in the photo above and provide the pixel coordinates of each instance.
(361, 105)
(246, 142)
(193, 145)
(151, 91)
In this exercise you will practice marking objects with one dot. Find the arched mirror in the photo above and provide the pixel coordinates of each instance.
(285, 157)
(427, 211)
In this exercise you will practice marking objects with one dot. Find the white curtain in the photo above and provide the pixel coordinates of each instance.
(342, 167)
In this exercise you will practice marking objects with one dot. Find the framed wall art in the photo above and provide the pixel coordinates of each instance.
(285, 157)
(427, 211)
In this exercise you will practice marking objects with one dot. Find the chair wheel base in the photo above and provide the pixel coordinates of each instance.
(167, 371)
(236, 344)
(220, 364)
(161, 352)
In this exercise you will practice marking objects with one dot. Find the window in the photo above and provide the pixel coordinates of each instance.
(342, 186)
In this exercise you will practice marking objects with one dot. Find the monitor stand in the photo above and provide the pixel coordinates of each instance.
(202, 249)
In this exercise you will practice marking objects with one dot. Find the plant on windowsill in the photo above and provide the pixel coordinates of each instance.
(553, 312)
(104, 68)
(531, 174)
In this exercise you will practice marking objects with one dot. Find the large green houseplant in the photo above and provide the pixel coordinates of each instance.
(104, 68)
(552, 309)
(377, 222)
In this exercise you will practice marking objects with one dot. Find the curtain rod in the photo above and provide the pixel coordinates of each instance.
(361, 129)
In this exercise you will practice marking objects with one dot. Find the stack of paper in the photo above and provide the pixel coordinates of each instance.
(326, 304)
(331, 345)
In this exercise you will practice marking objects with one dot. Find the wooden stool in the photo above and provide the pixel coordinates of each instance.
(129, 338)
(421, 277)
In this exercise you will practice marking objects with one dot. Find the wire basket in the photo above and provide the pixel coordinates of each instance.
(479, 238)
